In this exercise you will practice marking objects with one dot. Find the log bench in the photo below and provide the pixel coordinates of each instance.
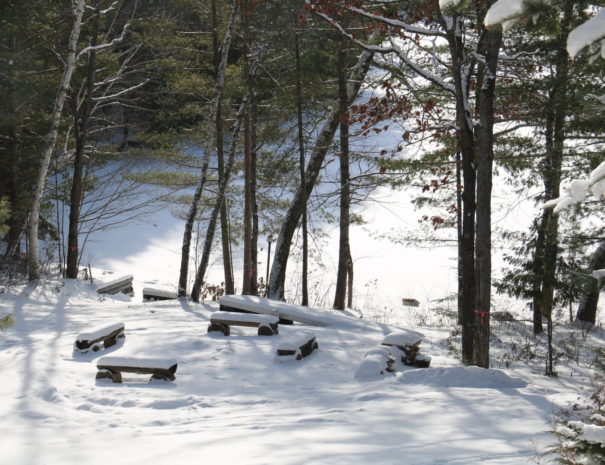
(152, 295)
(113, 367)
(409, 343)
(375, 362)
(221, 321)
(103, 337)
(120, 285)
(297, 346)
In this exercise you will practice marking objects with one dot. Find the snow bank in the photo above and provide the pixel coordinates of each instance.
(461, 377)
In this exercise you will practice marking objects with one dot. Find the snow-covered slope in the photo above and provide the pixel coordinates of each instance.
(233, 403)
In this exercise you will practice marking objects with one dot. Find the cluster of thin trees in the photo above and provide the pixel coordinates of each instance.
(268, 95)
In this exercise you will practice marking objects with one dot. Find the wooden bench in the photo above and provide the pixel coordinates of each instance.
(152, 295)
(375, 362)
(113, 367)
(266, 324)
(103, 337)
(121, 285)
(409, 343)
(297, 346)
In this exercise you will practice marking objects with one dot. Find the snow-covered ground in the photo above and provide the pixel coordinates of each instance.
(233, 403)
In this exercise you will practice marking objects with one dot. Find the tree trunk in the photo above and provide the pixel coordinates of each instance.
(322, 144)
(193, 209)
(220, 198)
(225, 239)
(489, 47)
(344, 251)
(587, 309)
(50, 141)
(301, 151)
(81, 117)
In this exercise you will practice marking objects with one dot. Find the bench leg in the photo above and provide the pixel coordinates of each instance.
(163, 377)
(264, 330)
(219, 327)
(114, 376)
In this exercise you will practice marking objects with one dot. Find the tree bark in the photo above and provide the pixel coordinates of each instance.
(587, 308)
(301, 152)
(344, 250)
(81, 118)
(224, 220)
(489, 47)
(193, 209)
(50, 141)
(322, 144)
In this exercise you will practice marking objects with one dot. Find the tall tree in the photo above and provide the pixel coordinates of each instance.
(50, 141)
(194, 207)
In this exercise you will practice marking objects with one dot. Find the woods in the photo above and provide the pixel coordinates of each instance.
(255, 119)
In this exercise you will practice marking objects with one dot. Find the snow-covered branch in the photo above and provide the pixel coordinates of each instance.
(579, 189)
(397, 23)
(122, 92)
(98, 48)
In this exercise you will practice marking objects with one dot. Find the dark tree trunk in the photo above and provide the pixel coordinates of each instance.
(250, 273)
(587, 309)
(459, 300)
(301, 151)
(193, 209)
(81, 117)
(344, 251)
(225, 239)
(489, 47)
(322, 144)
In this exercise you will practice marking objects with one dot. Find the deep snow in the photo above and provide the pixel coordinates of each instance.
(233, 403)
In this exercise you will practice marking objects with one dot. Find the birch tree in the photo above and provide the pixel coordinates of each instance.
(51, 139)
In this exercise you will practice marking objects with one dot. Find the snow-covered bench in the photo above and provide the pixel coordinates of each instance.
(113, 367)
(96, 339)
(123, 285)
(297, 346)
(150, 294)
(409, 343)
(375, 362)
(221, 321)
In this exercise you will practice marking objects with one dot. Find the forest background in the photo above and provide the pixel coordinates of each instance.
(253, 120)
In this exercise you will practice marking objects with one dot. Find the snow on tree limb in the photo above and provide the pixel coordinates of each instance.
(505, 11)
(579, 189)
(589, 32)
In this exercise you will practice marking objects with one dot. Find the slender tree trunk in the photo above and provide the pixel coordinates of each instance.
(489, 47)
(344, 251)
(322, 144)
(461, 73)
(50, 141)
(220, 198)
(587, 309)
(301, 152)
(225, 239)
(193, 209)
(459, 235)
(350, 283)
(81, 117)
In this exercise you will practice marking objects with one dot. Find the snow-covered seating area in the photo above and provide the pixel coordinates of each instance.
(409, 343)
(120, 285)
(221, 321)
(113, 367)
(375, 362)
(150, 294)
(297, 346)
(103, 337)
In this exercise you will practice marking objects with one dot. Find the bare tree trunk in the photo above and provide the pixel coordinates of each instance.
(193, 209)
(220, 198)
(301, 152)
(225, 239)
(322, 144)
(587, 309)
(344, 251)
(81, 117)
(50, 141)
(489, 47)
